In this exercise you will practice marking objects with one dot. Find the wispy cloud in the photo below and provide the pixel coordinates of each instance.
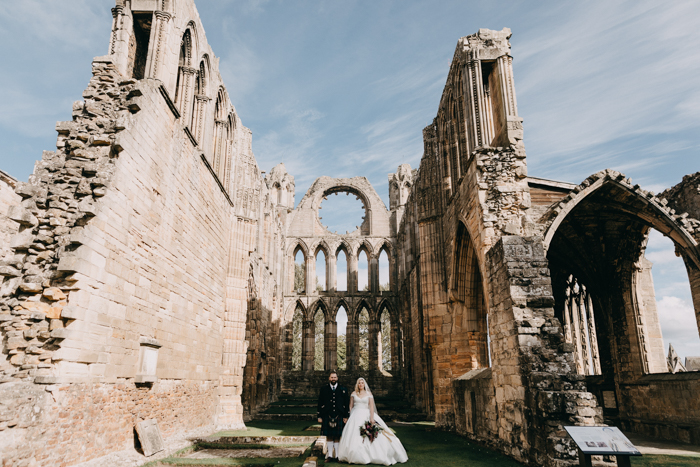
(679, 326)
(608, 70)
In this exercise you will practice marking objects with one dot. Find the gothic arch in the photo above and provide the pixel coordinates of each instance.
(597, 234)
(341, 302)
(363, 303)
(345, 247)
(319, 304)
(643, 205)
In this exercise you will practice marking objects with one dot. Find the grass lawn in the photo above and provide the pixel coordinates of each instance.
(666, 461)
(426, 447)
(272, 428)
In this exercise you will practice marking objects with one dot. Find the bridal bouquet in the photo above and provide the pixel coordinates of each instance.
(370, 430)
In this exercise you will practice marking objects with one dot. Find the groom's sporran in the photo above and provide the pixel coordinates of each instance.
(333, 411)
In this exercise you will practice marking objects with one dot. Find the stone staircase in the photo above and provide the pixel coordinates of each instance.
(304, 408)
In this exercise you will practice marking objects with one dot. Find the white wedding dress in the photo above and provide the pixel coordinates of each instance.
(386, 449)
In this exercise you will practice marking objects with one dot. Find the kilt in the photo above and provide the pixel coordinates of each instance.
(332, 431)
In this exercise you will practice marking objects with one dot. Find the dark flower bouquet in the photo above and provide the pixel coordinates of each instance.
(370, 430)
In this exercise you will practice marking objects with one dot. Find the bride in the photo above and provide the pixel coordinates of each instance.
(385, 449)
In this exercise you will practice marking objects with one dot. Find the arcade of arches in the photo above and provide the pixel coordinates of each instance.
(152, 270)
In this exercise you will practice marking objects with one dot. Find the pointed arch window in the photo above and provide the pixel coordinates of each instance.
(297, 337)
(385, 347)
(341, 320)
(363, 324)
(319, 331)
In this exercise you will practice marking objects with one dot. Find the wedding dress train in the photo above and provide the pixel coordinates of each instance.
(386, 448)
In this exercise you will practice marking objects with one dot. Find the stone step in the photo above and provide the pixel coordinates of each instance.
(386, 415)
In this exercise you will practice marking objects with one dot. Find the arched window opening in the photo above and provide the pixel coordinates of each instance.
(363, 321)
(297, 337)
(299, 272)
(579, 327)
(319, 330)
(220, 113)
(138, 46)
(385, 340)
(277, 193)
(674, 305)
(341, 320)
(199, 104)
(363, 271)
(320, 271)
(384, 277)
(343, 214)
(341, 275)
(183, 71)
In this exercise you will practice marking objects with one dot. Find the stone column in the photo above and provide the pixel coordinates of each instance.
(374, 274)
(374, 347)
(352, 272)
(311, 276)
(156, 47)
(352, 342)
(198, 118)
(307, 351)
(331, 280)
(396, 358)
(330, 345)
(593, 335)
(694, 278)
(219, 144)
(119, 40)
(184, 93)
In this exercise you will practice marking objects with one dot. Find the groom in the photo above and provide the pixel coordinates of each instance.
(333, 411)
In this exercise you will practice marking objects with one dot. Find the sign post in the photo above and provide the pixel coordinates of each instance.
(602, 441)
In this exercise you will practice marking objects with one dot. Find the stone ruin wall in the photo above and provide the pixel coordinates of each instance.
(307, 232)
(471, 204)
(137, 233)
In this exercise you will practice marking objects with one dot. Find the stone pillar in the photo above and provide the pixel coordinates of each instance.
(311, 276)
(219, 144)
(374, 274)
(352, 342)
(330, 345)
(374, 347)
(307, 348)
(157, 47)
(184, 93)
(694, 277)
(331, 273)
(593, 334)
(122, 25)
(352, 272)
(199, 116)
(396, 357)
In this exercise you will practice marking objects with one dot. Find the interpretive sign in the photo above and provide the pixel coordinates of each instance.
(597, 440)
(149, 436)
(602, 440)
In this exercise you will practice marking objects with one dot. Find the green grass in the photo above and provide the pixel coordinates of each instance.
(666, 461)
(294, 410)
(426, 447)
(272, 428)
(205, 445)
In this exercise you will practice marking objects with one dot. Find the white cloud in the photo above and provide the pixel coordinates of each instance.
(679, 326)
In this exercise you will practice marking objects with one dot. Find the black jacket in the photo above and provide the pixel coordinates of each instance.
(332, 403)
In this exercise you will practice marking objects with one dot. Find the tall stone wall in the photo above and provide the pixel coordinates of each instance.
(147, 263)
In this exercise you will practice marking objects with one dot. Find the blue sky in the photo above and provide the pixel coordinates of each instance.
(345, 88)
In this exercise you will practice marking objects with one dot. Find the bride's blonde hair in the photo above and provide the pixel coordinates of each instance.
(357, 386)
